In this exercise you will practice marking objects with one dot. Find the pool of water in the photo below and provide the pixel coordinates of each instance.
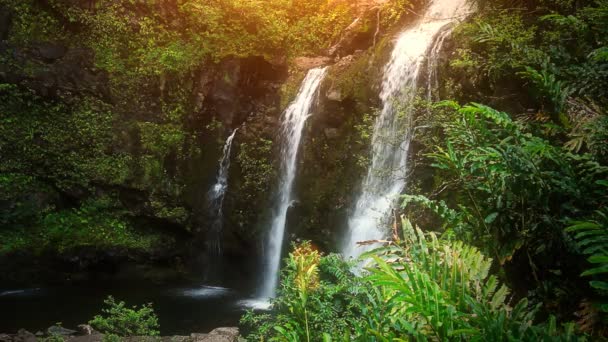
(181, 308)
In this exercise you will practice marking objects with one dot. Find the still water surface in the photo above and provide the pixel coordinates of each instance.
(181, 308)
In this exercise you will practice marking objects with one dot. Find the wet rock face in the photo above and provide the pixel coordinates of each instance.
(235, 89)
(51, 52)
(58, 71)
(225, 90)
(360, 34)
(336, 147)
(5, 23)
(307, 63)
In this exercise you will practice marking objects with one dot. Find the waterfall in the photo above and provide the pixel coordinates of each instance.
(386, 176)
(215, 198)
(433, 57)
(292, 125)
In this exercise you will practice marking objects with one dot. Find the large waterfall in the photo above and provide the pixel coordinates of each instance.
(386, 177)
(215, 199)
(292, 126)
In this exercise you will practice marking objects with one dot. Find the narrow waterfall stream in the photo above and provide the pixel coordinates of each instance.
(215, 198)
(292, 125)
(386, 176)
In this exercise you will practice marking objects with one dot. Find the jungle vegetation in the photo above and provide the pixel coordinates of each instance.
(504, 239)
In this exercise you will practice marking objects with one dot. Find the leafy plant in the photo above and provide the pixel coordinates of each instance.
(441, 289)
(422, 288)
(318, 296)
(591, 238)
(497, 171)
(551, 90)
(118, 319)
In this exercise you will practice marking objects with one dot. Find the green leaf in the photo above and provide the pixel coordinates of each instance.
(598, 259)
(491, 218)
(597, 270)
(599, 285)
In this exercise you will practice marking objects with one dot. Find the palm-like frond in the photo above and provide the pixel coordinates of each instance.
(444, 287)
(592, 240)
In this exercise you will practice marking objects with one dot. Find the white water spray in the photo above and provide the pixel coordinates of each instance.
(292, 127)
(216, 199)
(386, 177)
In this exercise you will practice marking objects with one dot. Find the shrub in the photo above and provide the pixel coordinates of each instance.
(421, 288)
(118, 319)
(318, 297)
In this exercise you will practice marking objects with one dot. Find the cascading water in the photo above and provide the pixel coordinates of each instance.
(433, 57)
(215, 198)
(386, 177)
(292, 126)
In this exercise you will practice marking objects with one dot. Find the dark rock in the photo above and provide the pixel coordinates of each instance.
(68, 73)
(176, 339)
(216, 338)
(85, 329)
(204, 78)
(5, 338)
(225, 90)
(5, 23)
(153, 339)
(228, 334)
(88, 338)
(196, 337)
(24, 336)
(236, 89)
(61, 331)
(360, 34)
(331, 133)
(226, 331)
(51, 52)
(217, 335)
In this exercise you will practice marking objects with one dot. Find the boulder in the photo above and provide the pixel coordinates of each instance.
(230, 334)
(95, 337)
(24, 336)
(61, 331)
(85, 329)
(176, 339)
(196, 337)
(225, 334)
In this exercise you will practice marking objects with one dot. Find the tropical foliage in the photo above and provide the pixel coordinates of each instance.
(421, 288)
(511, 187)
(318, 296)
(120, 320)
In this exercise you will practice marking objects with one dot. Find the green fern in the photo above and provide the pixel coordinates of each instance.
(439, 289)
(592, 240)
(548, 86)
